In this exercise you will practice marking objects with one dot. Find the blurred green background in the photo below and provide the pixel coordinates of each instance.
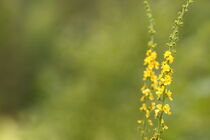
(71, 69)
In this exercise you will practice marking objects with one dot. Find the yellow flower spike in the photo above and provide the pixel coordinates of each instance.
(158, 84)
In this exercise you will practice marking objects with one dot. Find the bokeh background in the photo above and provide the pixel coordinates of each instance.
(71, 69)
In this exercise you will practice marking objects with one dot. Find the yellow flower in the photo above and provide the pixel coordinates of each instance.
(147, 74)
(149, 51)
(140, 121)
(153, 77)
(151, 97)
(147, 113)
(153, 55)
(153, 105)
(150, 122)
(143, 107)
(167, 53)
(154, 85)
(154, 138)
(159, 91)
(142, 98)
(147, 60)
(169, 94)
(159, 108)
(168, 56)
(165, 67)
(162, 121)
(146, 92)
(166, 80)
(167, 109)
(156, 112)
(165, 127)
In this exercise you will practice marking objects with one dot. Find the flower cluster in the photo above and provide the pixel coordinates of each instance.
(157, 78)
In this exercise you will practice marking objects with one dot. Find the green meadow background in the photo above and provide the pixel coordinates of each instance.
(71, 69)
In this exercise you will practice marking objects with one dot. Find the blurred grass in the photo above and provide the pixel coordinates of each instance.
(72, 69)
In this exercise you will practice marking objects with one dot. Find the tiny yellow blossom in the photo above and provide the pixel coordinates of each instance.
(142, 98)
(153, 55)
(169, 94)
(165, 127)
(166, 80)
(159, 106)
(150, 122)
(149, 51)
(146, 92)
(154, 138)
(140, 121)
(147, 74)
(156, 112)
(151, 97)
(153, 105)
(167, 109)
(160, 90)
(167, 53)
(159, 109)
(168, 56)
(143, 107)
(147, 113)
(165, 67)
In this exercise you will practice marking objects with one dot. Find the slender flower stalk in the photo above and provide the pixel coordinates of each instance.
(155, 91)
(150, 80)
